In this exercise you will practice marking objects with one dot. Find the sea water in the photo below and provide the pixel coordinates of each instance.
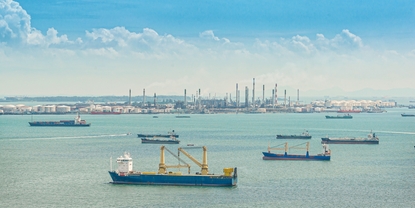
(68, 167)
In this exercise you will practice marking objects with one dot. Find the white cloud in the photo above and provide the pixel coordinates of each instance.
(208, 34)
(15, 28)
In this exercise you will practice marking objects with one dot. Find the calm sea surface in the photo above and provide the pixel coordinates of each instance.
(67, 167)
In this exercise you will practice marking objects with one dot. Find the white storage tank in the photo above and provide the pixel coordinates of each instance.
(50, 109)
(106, 109)
(63, 109)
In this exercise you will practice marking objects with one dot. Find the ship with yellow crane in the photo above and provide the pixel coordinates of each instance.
(274, 156)
(126, 175)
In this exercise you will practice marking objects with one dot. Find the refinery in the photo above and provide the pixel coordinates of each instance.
(198, 104)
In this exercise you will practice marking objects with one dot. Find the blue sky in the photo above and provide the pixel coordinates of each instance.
(91, 47)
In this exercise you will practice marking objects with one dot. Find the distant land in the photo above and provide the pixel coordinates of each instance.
(332, 94)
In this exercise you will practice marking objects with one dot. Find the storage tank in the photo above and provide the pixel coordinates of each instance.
(63, 109)
(50, 109)
(106, 109)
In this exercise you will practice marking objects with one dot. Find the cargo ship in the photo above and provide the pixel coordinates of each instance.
(304, 135)
(349, 111)
(274, 156)
(346, 116)
(159, 138)
(370, 139)
(126, 175)
(77, 122)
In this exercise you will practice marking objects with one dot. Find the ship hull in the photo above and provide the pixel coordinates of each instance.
(338, 117)
(158, 135)
(58, 125)
(345, 141)
(293, 137)
(159, 141)
(174, 180)
(273, 156)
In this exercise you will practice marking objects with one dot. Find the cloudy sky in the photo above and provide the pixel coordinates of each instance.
(91, 47)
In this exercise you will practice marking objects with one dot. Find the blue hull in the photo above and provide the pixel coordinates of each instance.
(273, 156)
(175, 180)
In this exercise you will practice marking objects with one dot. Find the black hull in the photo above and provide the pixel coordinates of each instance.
(293, 137)
(159, 141)
(60, 125)
(157, 135)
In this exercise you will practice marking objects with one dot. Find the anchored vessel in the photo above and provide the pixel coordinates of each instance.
(170, 138)
(370, 139)
(77, 122)
(346, 116)
(274, 156)
(304, 135)
(407, 115)
(126, 175)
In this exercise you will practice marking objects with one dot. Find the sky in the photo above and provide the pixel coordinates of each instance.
(99, 48)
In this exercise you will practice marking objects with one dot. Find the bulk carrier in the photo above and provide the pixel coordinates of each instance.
(274, 156)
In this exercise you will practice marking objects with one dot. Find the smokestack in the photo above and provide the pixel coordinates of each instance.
(246, 96)
(272, 97)
(200, 100)
(185, 98)
(144, 97)
(263, 94)
(155, 98)
(129, 100)
(253, 92)
(298, 96)
(276, 95)
(237, 96)
(285, 98)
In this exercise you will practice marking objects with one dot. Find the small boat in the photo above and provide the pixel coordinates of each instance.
(126, 175)
(274, 156)
(345, 116)
(155, 116)
(370, 139)
(407, 115)
(159, 138)
(304, 135)
(77, 122)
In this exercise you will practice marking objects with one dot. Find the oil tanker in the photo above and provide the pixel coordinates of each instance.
(274, 156)
(126, 175)
(370, 139)
(170, 138)
(77, 122)
(304, 135)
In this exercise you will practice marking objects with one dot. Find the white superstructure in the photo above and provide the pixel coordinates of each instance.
(125, 163)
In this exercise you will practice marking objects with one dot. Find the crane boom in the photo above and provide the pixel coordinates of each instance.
(203, 165)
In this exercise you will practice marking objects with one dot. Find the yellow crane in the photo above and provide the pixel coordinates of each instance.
(163, 167)
(203, 165)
